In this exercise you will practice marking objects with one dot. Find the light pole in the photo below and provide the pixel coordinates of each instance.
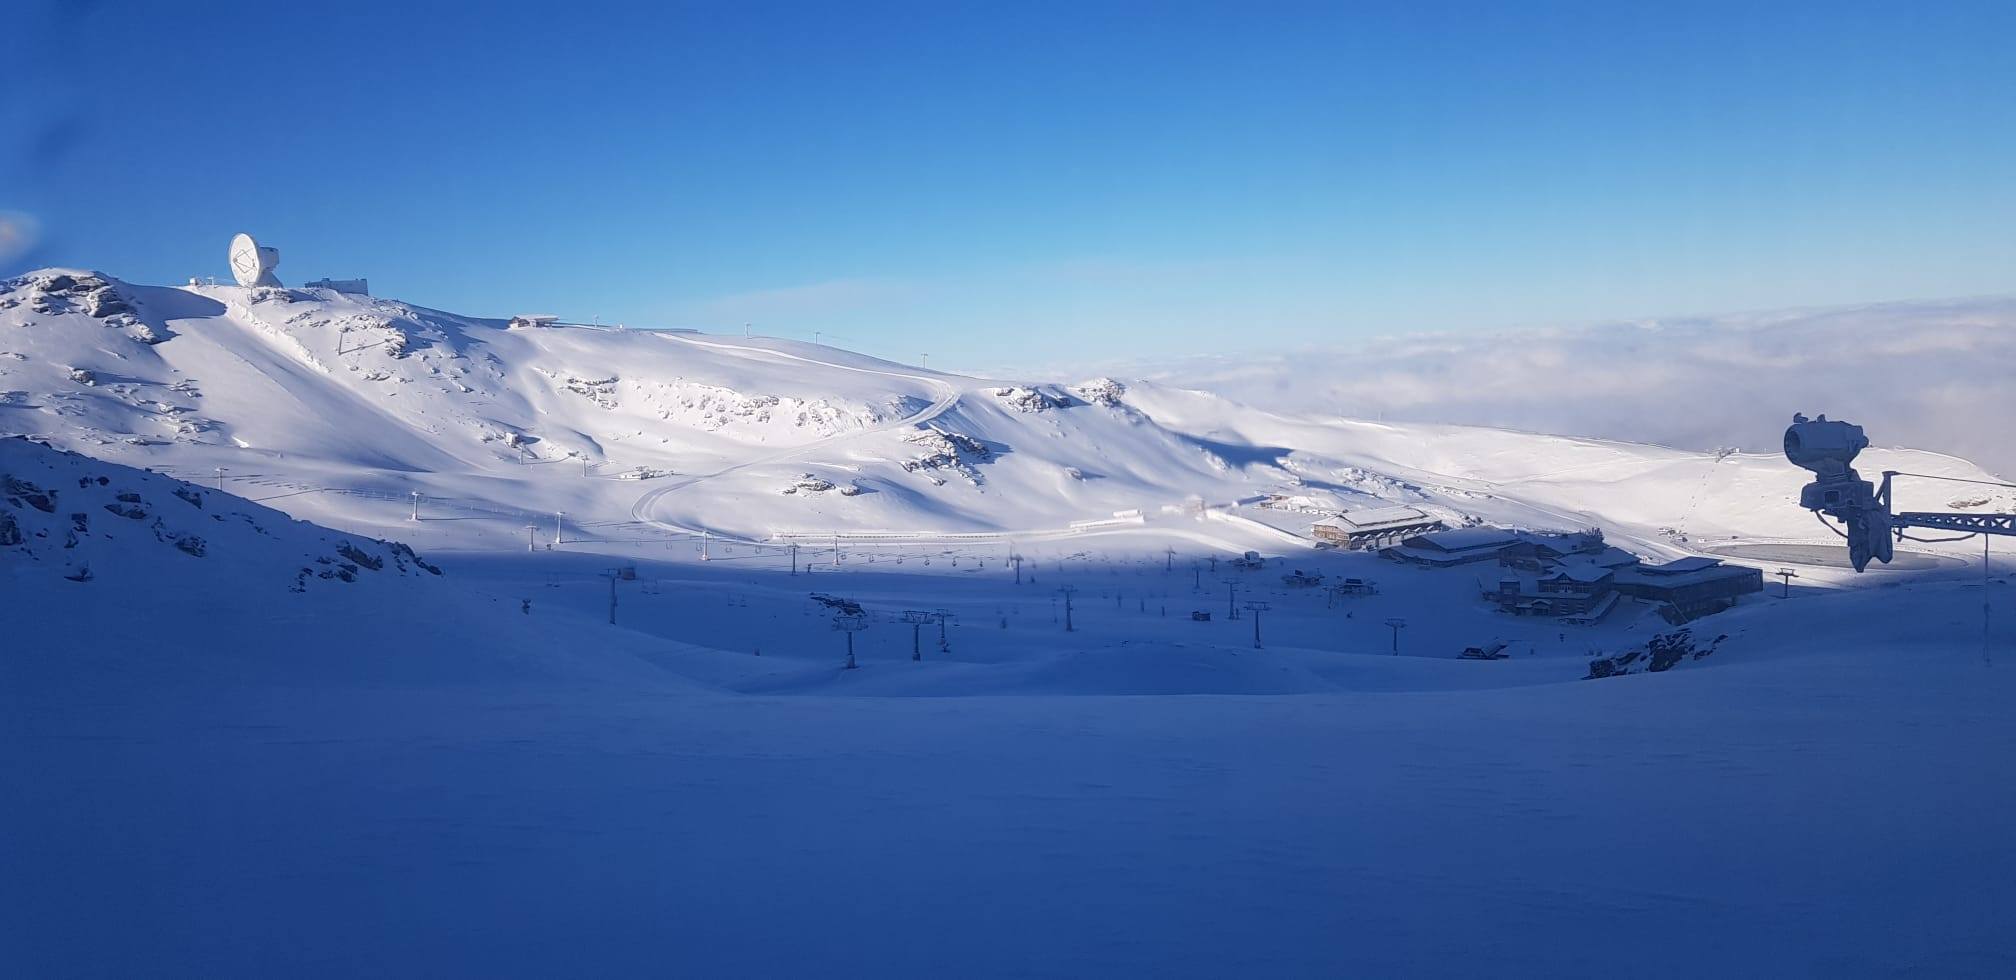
(1397, 624)
(1067, 592)
(531, 532)
(220, 479)
(944, 645)
(416, 506)
(1231, 609)
(1258, 607)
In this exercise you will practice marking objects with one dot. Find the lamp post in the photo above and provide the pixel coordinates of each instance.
(1067, 592)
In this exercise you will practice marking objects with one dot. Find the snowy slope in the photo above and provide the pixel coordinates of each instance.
(111, 528)
(481, 772)
(338, 408)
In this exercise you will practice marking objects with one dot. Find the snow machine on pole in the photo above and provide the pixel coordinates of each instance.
(1827, 447)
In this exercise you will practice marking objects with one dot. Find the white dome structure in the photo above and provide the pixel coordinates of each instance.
(252, 263)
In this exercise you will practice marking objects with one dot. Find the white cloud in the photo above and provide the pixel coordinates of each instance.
(1930, 375)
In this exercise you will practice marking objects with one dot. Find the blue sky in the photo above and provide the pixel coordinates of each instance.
(1035, 182)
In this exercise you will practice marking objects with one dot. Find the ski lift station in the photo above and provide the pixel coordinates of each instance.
(1377, 527)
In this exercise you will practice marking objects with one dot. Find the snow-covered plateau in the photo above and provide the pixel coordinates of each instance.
(340, 637)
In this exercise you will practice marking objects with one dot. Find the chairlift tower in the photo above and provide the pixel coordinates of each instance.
(1256, 607)
(850, 624)
(917, 618)
(613, 575)
(1396, 624)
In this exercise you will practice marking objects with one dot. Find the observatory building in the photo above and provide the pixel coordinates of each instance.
(354, 287)
(252, 264)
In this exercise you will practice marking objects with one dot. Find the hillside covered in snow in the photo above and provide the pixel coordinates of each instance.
(339, 408)
(738, 656)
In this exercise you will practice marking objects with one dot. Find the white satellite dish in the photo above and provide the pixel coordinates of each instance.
(252, 263)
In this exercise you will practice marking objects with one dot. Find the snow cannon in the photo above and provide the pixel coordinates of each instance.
(1823, 446)
(1827, 448)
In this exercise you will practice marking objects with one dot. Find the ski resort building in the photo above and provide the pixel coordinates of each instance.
(1374, 527)
(1577, 577)
(1443, 549)
(1535, 552)
(1572, 590)
(1690, 588)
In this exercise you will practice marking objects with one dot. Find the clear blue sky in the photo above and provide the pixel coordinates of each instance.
(1033, 182)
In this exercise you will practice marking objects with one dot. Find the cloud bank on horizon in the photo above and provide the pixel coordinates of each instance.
(1925, 374)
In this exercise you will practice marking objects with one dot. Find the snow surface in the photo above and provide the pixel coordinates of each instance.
(476, 773)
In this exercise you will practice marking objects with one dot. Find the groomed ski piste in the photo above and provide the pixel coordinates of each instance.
(256, 754)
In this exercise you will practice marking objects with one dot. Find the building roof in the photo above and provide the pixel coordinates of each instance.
(1713, 572)
(1376, 518)
(1465, 539)
(1611, 557)
(1681, 566)
(1578, 571)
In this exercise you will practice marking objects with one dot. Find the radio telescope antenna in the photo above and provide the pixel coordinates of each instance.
(252, 263)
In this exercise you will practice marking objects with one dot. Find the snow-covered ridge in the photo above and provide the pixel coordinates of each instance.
(297, 392)
(111, 527)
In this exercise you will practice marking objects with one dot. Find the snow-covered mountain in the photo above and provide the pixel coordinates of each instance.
(340, 407)
(258, 744)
